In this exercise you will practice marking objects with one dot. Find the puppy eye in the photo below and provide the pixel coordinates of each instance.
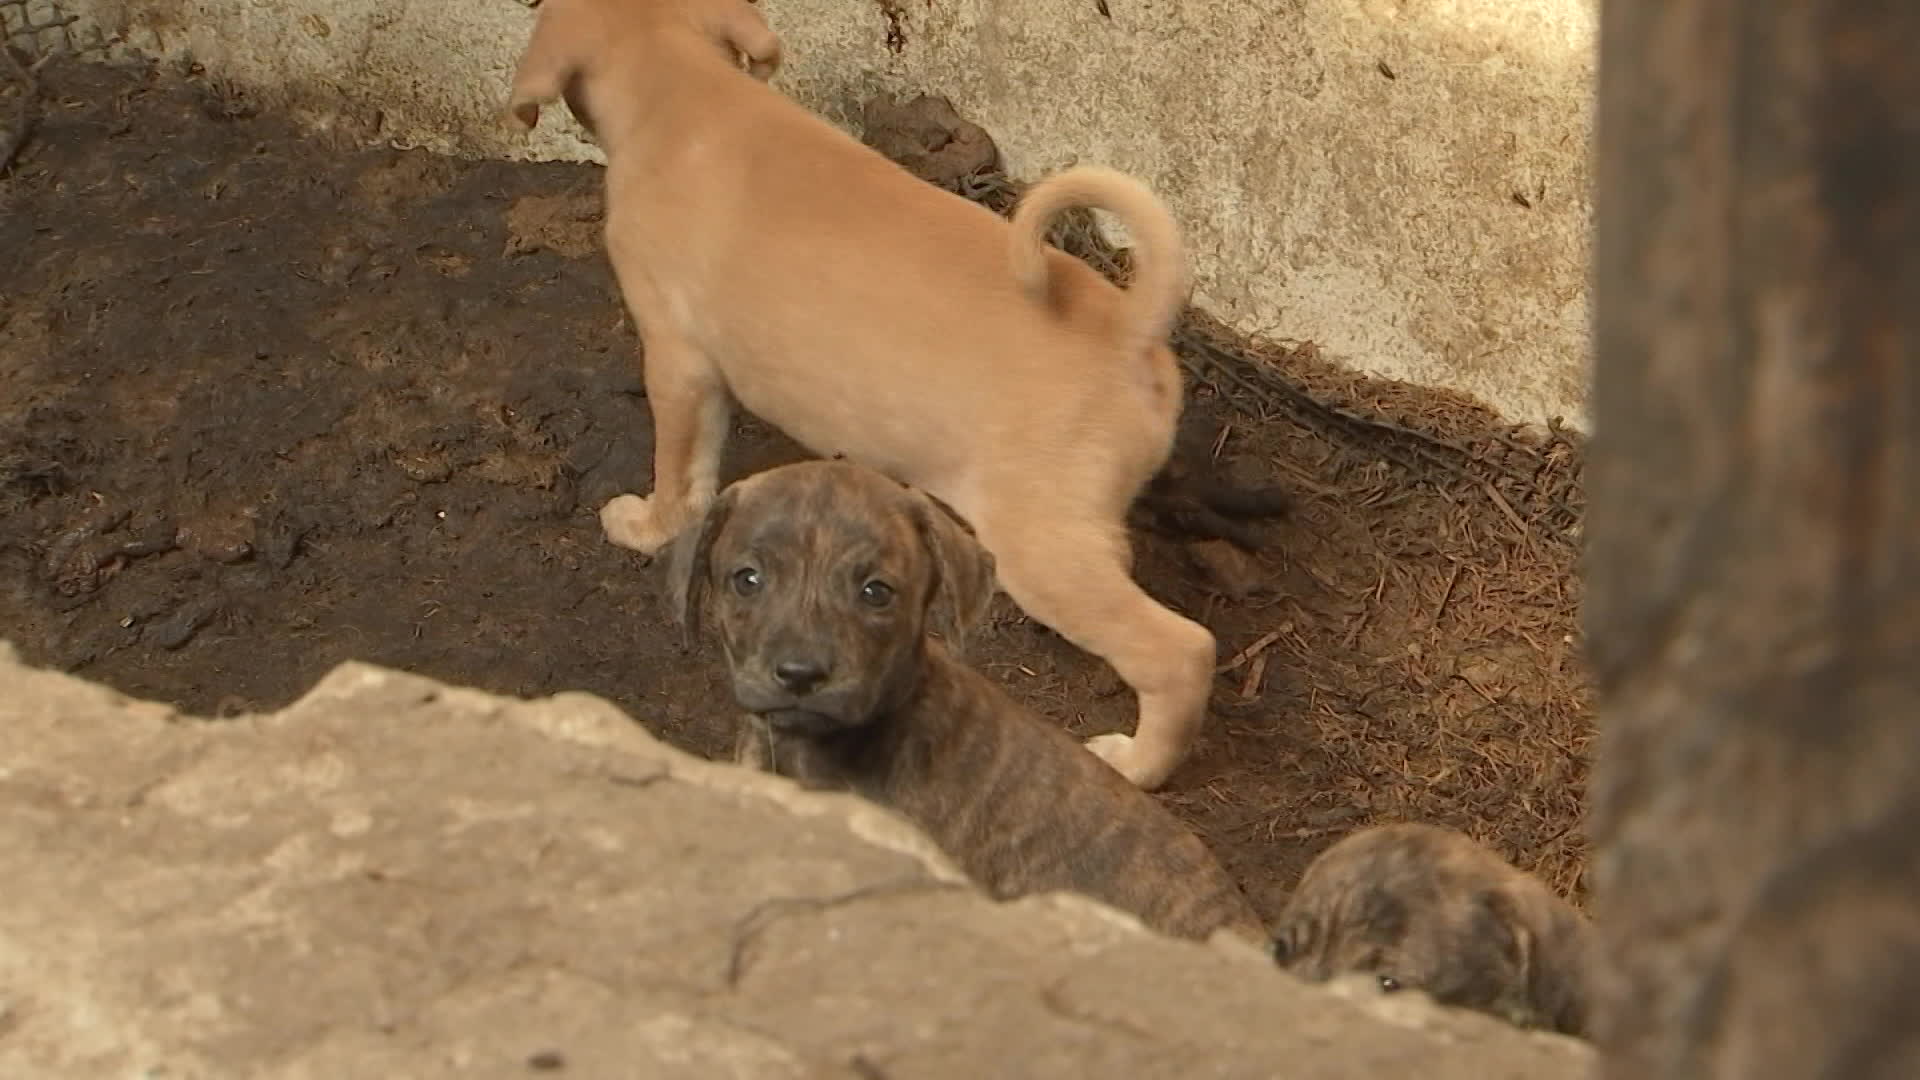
(876, 594)
(746, 581)
(1388, 984)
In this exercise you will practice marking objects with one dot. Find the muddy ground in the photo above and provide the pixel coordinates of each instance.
(267, 405)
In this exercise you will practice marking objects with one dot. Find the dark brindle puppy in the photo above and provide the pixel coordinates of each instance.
(1429, 909)
(827, 582)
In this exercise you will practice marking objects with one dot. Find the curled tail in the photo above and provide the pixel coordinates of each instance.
(1159, 288)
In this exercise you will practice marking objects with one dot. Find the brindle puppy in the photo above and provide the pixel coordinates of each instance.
(1429, 909)
(827, 582)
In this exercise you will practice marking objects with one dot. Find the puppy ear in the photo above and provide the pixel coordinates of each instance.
(1502, 909)
(963, 581)
(1295, 944)
(746, 32)
(550, 64)
(1556, 976)
(690, 565)
(1506, 915)
(1288, 942)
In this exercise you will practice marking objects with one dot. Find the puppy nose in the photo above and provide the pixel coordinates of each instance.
(800, 676)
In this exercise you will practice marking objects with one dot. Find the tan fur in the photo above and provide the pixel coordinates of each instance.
(891, 713)
(1160, 286)
(771, 259)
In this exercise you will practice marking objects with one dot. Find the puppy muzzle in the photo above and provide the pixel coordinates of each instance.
(819, 712)
(804, 723)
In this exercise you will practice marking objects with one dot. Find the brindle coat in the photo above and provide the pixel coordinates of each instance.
(1429, 909)
(827, 582)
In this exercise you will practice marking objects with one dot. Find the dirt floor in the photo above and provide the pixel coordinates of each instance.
(266, 406)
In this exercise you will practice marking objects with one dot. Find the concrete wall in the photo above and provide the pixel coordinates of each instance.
(1404, 182)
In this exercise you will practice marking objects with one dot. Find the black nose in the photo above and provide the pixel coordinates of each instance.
(800, 676)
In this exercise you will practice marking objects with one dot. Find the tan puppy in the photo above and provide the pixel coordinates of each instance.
(770, 258)
(1429, 909)
(824, 580)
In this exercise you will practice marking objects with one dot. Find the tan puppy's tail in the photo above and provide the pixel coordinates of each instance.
(1159, 288)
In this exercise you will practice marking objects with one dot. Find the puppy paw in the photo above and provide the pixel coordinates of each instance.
(1120, 752)
(629, 522)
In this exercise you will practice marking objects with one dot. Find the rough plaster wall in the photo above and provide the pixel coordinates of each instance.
(1325, 199)
(1404, 182)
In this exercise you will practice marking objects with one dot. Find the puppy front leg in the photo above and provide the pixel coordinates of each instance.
(753, 745)
(690, 415)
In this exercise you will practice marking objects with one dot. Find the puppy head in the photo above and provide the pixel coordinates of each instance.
(575, 40)
(822, 579)
(1421, 908)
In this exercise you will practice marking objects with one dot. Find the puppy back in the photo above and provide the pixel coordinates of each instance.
(1024, 808)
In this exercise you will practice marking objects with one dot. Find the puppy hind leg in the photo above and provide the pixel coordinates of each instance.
(1076, 580)
(690, 413)
(709, 447)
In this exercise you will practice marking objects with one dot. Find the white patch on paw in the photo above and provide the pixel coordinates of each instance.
(627, 521)
(1119, 752)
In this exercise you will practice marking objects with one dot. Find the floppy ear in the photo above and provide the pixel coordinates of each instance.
(1555, 952)
(1504, 911)
(690, 565)
(1288, 942)
(744, 31)
(963, 581)
(1296, 943)
(550, 64)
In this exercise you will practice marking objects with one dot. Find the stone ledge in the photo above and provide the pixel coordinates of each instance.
(393, 877)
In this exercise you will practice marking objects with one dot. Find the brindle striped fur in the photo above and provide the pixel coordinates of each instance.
(1429, 909)
(1019, 805)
